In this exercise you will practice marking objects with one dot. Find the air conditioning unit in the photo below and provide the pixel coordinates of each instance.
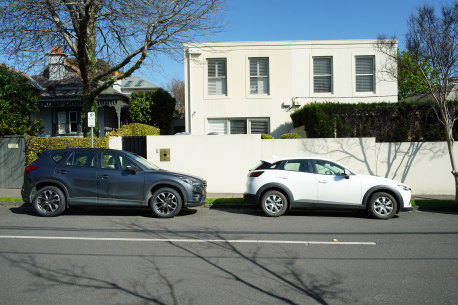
(288, 103)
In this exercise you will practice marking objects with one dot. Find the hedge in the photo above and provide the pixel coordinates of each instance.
(387, 122)
(266, 136)
(135, 129)
(35, 145)
(291, 135)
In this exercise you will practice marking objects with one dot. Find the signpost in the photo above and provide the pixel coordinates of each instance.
(91, 124)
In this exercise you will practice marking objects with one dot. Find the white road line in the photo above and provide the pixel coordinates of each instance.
(172, 240)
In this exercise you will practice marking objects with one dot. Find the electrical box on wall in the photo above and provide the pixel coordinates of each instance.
(165, 154)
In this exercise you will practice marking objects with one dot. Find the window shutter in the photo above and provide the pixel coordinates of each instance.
(238, 127)
(217, 126)
(259, 76)
(322, 71)
(216, 76)
(259, 126)
(364, 74)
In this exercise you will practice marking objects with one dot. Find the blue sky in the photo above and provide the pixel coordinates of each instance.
(268, 20)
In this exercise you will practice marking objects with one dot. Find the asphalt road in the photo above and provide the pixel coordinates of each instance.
(119, 256)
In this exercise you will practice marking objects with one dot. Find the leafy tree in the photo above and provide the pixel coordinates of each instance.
(18, 100)
(123, 33)
(154, 108)
(410, 78)
(432, 46)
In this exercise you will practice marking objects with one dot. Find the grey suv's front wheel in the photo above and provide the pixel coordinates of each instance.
(274, 203)
(166, 202)
(49, 201)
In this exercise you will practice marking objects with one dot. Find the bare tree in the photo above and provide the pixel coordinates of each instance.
(121, 32)
(176, 89)
(432, 46)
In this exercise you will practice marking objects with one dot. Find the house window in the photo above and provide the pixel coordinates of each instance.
(73, 121)
(217, 82)
(322, 74)
(217, 126)
(259, 75)
(238, 126)
(365, 71)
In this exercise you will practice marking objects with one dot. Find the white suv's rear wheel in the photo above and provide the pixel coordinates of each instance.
(274, 203)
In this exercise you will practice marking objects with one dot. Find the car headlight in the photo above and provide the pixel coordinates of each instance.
(189, 181)
(404, 187)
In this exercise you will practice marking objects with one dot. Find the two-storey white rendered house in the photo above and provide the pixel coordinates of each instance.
(252, 87)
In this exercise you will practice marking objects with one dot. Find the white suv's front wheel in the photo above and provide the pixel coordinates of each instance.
(274, 203)
(382, 205)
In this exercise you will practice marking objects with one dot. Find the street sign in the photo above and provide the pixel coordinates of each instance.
(91, 119)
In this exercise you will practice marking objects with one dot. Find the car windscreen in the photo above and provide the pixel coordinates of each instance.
(144, 162)
(267, 165)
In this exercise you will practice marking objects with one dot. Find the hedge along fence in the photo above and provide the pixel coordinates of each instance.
(387, 122)
(35, 145)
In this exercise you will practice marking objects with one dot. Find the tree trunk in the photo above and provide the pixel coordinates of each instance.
(89, 105)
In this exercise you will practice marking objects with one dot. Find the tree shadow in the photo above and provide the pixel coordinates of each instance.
(245, 271)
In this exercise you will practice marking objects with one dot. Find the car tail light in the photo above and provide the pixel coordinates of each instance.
(256, 174)
(30, 168)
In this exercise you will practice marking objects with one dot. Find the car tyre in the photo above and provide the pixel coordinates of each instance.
(274, 203)
(382, 205)
(166, 202)
(49, 201)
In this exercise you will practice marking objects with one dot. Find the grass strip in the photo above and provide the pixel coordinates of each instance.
(225, 201)
(10, 199)
(432, 204)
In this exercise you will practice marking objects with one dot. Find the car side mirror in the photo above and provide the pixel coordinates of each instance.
(132, 169)
(347, 174)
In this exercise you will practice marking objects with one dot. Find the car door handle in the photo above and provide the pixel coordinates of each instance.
(282, 177)
(63, 172)
(322, 181)
(104, 177)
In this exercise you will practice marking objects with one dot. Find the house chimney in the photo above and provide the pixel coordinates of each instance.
(117, 84)
(57, 59)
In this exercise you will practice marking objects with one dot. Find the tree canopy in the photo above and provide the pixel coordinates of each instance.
(18, 100)
(121, 32)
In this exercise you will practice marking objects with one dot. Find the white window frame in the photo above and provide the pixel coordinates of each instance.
(365, 74)
(331, 75)
(216, 77)
(227, 124)
(258, 77)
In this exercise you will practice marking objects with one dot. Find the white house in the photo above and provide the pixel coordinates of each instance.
(252, 87)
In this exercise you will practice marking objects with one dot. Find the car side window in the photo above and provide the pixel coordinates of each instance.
(111, 160)
(297, 166)
(81, 158)
(324, 167)
(58, 157)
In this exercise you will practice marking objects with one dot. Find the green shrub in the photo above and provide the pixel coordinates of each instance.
(35, 145)
(387, 122)
(266, 136)
(291, 135)
(135, 129)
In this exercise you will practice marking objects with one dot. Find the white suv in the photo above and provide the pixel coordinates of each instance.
(286, 183)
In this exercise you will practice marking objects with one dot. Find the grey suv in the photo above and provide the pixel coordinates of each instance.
(62, 178)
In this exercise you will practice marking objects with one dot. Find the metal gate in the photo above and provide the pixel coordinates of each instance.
(12, 162)
(136, 145)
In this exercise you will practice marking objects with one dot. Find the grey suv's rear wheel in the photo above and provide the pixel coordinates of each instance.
(382, 205)
(166, 202)
(274, 203)
(49, 201)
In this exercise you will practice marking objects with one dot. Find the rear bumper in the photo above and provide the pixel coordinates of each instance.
(250, 198)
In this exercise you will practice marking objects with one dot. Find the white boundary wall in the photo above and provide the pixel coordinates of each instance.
(225, 160)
